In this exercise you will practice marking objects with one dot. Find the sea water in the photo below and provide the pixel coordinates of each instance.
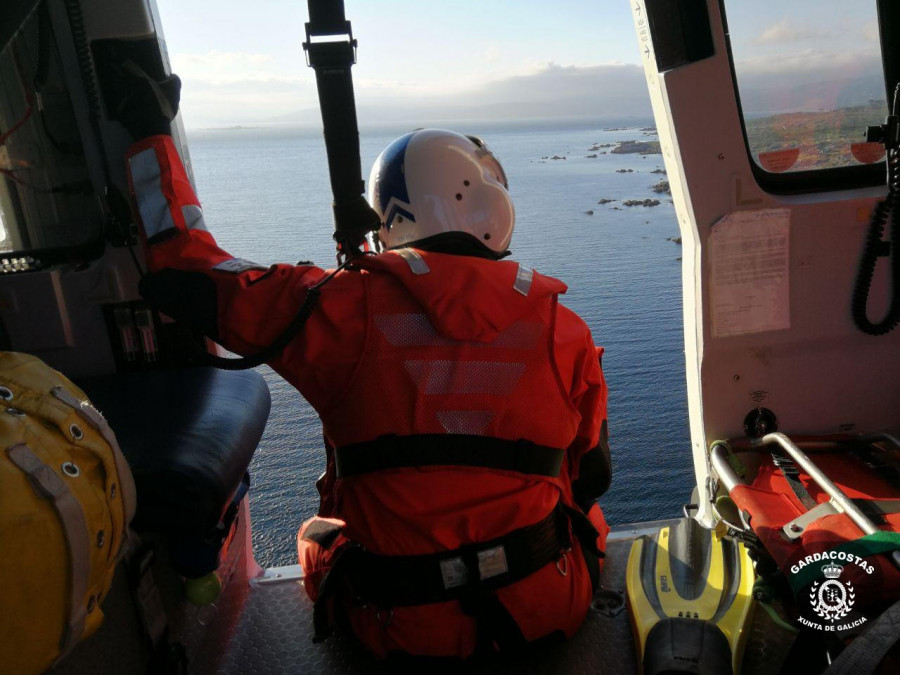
(266, 197)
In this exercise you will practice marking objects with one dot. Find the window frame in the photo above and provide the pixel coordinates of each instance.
(835, 178)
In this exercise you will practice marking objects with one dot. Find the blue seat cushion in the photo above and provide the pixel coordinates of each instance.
(188, 436)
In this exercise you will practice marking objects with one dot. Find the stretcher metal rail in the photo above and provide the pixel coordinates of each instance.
(839, 502)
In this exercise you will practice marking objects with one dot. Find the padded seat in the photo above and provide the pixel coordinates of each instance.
(188, 435)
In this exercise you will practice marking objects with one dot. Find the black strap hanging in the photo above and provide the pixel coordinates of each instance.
(332, 59)
(792, 476)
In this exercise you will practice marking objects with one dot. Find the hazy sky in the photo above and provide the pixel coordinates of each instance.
(243, 61)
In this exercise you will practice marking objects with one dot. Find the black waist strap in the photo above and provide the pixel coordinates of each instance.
(389, 581)
(394, 452)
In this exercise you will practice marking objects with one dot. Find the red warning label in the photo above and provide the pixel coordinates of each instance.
(777, 161)
(867, 153)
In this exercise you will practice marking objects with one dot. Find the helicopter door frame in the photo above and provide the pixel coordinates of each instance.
(816, 372)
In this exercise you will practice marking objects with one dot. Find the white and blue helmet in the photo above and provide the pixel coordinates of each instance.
(433, 181)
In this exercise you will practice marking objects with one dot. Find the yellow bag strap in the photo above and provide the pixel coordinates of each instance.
(93, 417)
(50, 486)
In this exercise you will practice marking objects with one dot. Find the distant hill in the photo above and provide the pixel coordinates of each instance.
(608, 91)
(823, 138)
(790, 93)
(611, 91)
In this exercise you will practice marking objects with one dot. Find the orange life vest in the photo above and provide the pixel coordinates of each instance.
(441, 443)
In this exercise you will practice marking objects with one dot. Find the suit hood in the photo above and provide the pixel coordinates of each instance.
(466, 298)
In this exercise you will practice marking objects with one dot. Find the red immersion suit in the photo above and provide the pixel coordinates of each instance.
(464, 411)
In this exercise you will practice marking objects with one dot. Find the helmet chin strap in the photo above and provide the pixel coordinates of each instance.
(455, 243)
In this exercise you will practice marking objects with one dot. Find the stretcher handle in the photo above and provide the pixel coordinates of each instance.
(719, 451)
(718, 457)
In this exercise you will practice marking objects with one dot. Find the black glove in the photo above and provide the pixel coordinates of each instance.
(148, 106)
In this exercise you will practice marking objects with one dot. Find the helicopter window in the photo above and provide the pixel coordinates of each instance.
(810, 80)
(47, 201)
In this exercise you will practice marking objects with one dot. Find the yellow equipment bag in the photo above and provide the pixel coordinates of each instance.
(66, 499)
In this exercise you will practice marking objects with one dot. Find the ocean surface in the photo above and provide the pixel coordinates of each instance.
(266, 197)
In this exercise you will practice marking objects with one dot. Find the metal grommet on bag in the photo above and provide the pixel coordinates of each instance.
(6, 394)
(207, 614)
(92, 601)
(112, 491)
(15, 412)
(562, 565)
(101, 538)
(385, 616)
(76, 432)
(71, 470)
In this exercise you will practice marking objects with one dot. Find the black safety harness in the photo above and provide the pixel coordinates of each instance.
(395, 452)
(469, 574)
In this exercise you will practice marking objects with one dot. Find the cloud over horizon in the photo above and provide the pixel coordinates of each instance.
(786, 31)
(547, 90)
(235, 88)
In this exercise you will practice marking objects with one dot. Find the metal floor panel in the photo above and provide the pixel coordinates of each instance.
(265, 626)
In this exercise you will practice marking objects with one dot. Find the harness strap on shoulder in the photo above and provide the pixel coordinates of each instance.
(395, 452)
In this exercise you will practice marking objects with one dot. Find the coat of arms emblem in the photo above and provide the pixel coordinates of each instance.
(832, 599)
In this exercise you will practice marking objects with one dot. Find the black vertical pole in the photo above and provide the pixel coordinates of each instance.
(332, 59)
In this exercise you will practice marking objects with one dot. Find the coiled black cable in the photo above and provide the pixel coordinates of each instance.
(83, 54)
(887, 209)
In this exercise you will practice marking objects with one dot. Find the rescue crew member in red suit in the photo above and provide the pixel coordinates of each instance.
(464, 408)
